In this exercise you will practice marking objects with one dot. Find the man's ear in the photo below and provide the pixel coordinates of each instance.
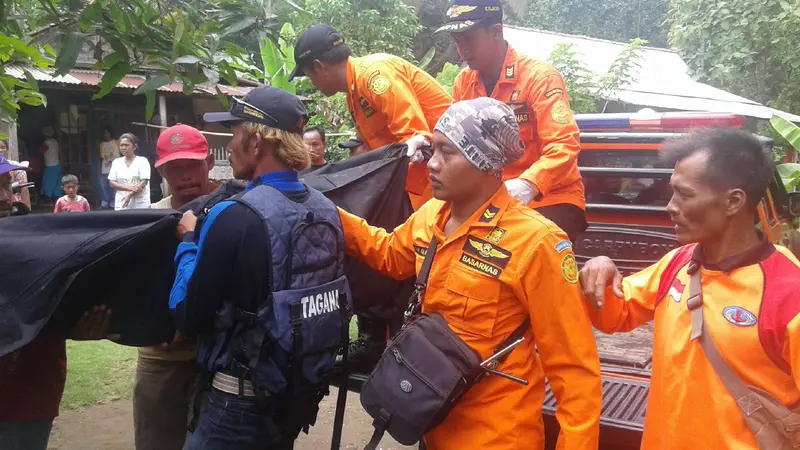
(210, 160)
(497, 31)
(257, 144)
(316, 66)
(737, 201)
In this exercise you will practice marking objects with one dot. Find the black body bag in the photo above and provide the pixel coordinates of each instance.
(423, 373)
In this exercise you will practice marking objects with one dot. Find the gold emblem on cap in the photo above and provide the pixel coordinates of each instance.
(252, 112)
(457, 10)
(560, 112)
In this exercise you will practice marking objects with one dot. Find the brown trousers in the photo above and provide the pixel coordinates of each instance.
(163, 395)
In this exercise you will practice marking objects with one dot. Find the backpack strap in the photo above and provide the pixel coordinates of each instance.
(415, 302)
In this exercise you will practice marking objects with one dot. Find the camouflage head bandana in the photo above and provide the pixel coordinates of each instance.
(486, 132)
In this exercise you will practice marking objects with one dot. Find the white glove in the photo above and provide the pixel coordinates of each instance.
(415, 146)
(522, 190)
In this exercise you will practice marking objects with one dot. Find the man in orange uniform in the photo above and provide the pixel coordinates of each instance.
(390, 99)
(546, 177)
(498, 263)
(751, 298)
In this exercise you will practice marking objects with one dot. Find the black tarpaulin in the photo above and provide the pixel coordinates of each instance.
(56, 266)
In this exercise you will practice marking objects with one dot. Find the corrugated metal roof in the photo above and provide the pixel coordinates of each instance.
(131, 81)
(663, 80)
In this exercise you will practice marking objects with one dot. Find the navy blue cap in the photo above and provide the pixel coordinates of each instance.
(463, 15)
(312, 44)
(352, 143)
(266, 105)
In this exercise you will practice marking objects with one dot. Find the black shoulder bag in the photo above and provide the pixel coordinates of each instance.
(424, 372)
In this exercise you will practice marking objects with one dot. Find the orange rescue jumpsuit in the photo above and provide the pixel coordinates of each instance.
(391, 100)
(505, 263)
(751, 306)
(537, 94)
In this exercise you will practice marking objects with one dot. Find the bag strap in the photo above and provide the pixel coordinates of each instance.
(733, 383)
(341, 398)
(415, 302)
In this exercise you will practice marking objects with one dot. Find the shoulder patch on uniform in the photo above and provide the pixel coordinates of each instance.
(510, 71)
(739, 316)
(368, 109)
(378, 83)
(489, 214)
(553, 92)
(496, 235)
(514, 96)
(480, 266)
(560, 112)
(420, 250)
(563, 245)
(486, 251)
(569, 268)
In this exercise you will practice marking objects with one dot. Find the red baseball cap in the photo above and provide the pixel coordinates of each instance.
(181, 142)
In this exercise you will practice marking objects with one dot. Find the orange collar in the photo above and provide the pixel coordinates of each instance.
(486, 216)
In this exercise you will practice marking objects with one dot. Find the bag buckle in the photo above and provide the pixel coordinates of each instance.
(415, 302)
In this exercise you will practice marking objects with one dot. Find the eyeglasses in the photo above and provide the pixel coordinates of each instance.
(241, 108)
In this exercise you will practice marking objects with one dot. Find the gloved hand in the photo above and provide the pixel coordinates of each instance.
(522, 190)
(415, 148)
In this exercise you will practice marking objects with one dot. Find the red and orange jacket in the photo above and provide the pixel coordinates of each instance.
(752, 311)
(392, 100)
(504, 264)
(537, 94)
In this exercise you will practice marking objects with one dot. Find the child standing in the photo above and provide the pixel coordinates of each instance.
(72, 202)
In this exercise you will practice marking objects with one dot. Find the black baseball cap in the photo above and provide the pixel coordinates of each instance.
(313, 43)
(463, 15)
(266, 105)
(352, 143)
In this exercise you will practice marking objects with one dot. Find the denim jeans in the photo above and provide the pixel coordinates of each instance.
(228, 421)
(25, 435)
(107, 194)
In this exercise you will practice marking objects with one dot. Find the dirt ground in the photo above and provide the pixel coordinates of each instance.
(110, 427)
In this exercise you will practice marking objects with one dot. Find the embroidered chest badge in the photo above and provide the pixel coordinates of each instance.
(739, 316)
(676, 291)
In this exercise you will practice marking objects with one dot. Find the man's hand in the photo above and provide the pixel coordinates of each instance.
(178, 343)
(127, 199)
(93, 326)
(188, 223)
(597, 274)
(415, 148)
(522, 190)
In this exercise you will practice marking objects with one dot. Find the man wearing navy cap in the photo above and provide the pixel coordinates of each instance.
(546, 177)
(238, 278)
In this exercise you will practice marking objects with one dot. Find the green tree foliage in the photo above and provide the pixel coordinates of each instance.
(588, 91)
(743, 46)
(616, 20)
(447, 76)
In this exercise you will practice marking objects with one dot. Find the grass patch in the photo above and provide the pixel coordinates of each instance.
(99, 371)
(102, 371)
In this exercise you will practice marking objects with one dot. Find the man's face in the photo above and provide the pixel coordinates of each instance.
(316, 148)
(360, 150)
(241, 153)
(188, 178)
(319, 74)
(700, 212)
(478, 46)
(453, 177)
(70, 189)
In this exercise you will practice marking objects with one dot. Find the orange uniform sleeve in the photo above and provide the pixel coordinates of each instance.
(557, 131)
(639, 302)
(458, 87)
(548, 284)
(391, 254)
(394, 97)
(791, 352)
